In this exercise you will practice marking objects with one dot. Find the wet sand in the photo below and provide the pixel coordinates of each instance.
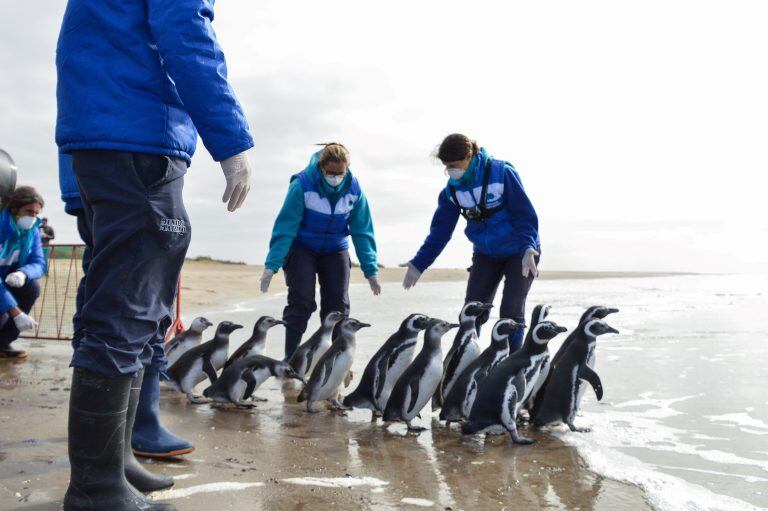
(246, 459)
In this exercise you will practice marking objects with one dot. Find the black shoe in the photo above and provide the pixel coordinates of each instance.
(97, 415)
(141, 478)
(14, 354)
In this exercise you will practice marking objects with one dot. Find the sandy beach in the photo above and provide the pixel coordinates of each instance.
(278, 457)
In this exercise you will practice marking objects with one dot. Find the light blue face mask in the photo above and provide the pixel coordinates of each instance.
(25, 223)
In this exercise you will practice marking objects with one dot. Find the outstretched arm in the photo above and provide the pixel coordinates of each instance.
(440, 232)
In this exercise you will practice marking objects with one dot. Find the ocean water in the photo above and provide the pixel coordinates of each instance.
(685, 410)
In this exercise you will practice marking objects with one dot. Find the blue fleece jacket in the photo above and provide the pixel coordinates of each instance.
(22, 251)
(508, 233)
(292, 213)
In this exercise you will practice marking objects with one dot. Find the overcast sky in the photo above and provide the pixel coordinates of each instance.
(639, 129)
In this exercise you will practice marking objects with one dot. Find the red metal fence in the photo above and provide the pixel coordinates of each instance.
(58, 288)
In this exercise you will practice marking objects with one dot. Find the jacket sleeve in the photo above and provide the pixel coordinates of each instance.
(195, 62)
(361, 230)
(286, 226)
(34, 267)
(523, 217)
(440, 232)
(7, 301)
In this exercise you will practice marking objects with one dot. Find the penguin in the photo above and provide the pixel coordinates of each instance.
(189, 338)
(201, 361)
(594, 312)
(421, 379)
(458, 402)
(464, 349)
(242, 377)
(501, 394)
(386, 366)
(332, 368)
(255, 345)
(539, 314)
(559, 401)
(310, 351)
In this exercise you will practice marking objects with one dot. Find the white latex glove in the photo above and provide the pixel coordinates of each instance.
(373, 281)
(529, 263)
(24, 322)
(237, 171)
(266, 278)
(411, 276)
(16, 279)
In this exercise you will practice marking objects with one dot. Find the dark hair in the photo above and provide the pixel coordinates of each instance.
(20, 197)
(456, 147)
(333, 152)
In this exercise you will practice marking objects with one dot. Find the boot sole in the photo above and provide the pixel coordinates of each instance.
(170, 454)
(21, 356)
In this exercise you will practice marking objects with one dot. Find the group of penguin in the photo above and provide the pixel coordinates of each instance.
(483, 391)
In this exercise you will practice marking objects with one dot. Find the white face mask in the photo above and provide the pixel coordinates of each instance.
(26, 222)
(455, 173)
(334, 181)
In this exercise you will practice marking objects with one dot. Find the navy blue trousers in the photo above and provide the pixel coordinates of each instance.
(25, 296)
(484, 278)
(136, 232)
(303, 269)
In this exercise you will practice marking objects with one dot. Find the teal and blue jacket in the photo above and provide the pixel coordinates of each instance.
(510, 231)
(145, 76)
(19, 250)
(321, 218)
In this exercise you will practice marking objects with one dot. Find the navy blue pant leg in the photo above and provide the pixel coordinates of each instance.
(484, 278)
(333, 275)
(140, 232)
(300, 276)
(84, 230)
(25, 296)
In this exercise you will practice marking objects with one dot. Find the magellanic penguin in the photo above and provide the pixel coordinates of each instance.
(187, 339)
(332, 368)
(594, 312)
(309, 352)
(255, 345)
(501, 394)
(559, 398)
(464, 349)
(458, 402)
(420, 380)
(386, 366)
(201, 361)
(242, 377)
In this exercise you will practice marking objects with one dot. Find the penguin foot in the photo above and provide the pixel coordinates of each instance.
(521, 440)
(197, 400)
(259, 399)
(312, 410)
(245, 404)
(573, 428)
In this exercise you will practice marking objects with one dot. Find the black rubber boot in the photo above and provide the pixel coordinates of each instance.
(141, 478)
(97, 413)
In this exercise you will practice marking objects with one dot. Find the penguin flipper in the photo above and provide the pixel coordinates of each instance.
(589, 375)
(209, 369)
(250, 382)
(328, 368)
(414, 386)
(381, 369)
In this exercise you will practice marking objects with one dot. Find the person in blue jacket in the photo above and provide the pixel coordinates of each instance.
(324, 206)
(138, 80)
(22, 263)
(501, 224)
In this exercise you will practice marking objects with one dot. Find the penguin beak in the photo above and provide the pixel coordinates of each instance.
(363, 325)
(560, 329)
(486, 306)
(612, 311)
(451, 326)
(279, 322)
(611, 330)
(235, 327)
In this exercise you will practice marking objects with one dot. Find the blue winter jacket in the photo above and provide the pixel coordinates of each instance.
(509, 232)
(321, 218)
(145, 76)
(18, 251)
(70, 193)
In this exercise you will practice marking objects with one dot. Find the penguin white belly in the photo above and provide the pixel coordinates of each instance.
(591, 363)
(338, 372)
(540, 380)
(261, 375)
(194, 376)
(427, 385)
(402, 362)
(219, 358)
(471, 352)
(322, 347)
(469, 394)
(532, 375)
(509, 416)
